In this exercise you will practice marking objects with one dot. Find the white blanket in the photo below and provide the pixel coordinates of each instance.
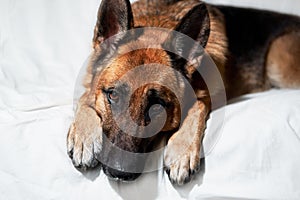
(42, 47)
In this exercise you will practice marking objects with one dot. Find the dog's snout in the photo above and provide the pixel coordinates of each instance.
(120, 175)
(120, 162)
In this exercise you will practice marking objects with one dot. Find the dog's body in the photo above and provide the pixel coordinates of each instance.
(253, 50)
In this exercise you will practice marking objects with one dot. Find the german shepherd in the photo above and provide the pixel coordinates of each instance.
(254, 50)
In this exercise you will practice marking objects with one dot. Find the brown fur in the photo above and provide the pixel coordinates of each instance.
(253, 50)
(282, 63)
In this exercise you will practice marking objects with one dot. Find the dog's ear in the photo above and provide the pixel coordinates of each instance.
(114, 16)
(196, 25)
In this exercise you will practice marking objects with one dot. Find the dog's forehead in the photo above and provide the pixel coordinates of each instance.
(134, 65)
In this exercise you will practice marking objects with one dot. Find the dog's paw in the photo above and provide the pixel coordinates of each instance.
(84, 139)
(181, 162)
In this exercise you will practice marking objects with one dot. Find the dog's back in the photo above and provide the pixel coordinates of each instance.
(252, 36)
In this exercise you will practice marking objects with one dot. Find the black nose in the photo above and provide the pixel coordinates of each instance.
(120, 175)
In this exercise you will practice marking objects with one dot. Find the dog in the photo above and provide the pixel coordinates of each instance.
(254, 50)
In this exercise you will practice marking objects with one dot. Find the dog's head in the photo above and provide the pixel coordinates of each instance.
(139, 87)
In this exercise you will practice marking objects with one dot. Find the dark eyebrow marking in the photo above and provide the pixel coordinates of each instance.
(120, 87)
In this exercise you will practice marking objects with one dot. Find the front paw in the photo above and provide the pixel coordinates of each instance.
(182, 162)
(84, 139)
(182, 153)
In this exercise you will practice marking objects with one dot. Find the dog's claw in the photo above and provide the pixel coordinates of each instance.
(70, 153)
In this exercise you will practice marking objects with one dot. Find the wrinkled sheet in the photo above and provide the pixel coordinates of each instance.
(43, 45)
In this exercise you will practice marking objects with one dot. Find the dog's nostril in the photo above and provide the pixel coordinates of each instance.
(123, 176)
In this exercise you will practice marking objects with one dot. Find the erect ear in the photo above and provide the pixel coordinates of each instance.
(196, 25)
(114, 16)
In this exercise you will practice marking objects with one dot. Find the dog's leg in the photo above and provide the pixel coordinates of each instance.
(85, 136)
(182, 154)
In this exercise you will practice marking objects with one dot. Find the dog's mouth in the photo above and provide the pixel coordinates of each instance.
(118, 175)
(123, 158)
(123, 166)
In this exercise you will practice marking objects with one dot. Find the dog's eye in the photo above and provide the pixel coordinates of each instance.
(112, 96)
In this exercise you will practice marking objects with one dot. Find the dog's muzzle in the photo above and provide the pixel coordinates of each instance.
(120, 162)
(124, 168)
(120, 175)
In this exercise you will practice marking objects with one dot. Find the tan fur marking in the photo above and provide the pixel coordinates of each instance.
(124, 63)
(283, 61)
